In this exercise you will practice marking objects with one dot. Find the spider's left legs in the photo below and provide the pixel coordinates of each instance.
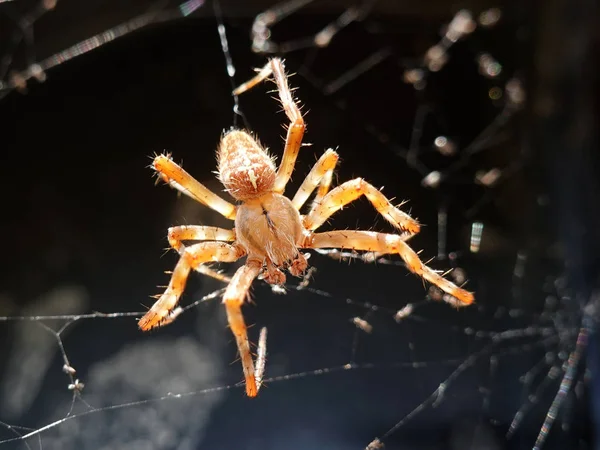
(371, 241)
(295, 131)
(349, 191)
(176, 177)
(191, 258)
(234, 297)
(178, 234)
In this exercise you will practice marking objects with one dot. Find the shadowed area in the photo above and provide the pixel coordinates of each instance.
(85, 228)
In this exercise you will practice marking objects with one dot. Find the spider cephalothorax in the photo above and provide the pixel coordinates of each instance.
(269, 229)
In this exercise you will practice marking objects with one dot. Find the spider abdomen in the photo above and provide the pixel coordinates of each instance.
(269, 228)
(245, 169)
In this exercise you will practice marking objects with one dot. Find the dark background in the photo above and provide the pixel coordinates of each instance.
(85, 226)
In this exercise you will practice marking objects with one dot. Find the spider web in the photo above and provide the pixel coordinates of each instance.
(428, 103)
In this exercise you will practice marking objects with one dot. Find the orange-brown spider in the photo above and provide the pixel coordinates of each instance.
(269, 228)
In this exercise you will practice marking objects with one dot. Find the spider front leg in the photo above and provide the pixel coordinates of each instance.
(387, 243)
(295, 131)
(234, 299)
(191, 258)
(348, 192)
(177, 235)
(174, 175)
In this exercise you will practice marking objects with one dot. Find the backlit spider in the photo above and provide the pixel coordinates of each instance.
(269, 230)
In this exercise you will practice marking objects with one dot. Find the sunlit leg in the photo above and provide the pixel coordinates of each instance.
(234, 299)
(200, 233)
(371, 241)
(349, 191)
(261, 76)
(179, 179)
(320, 175)
(295, 131)
(192, 257)
(177, 235)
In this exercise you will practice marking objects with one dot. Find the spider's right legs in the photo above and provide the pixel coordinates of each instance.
(384, 243)
(191, 258)
(351, 190)
(295, 132)
(233, 299)
(320, 175)
(174, 175)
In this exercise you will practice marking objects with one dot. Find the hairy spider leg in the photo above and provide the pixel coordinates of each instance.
(261, 76)
(295, 131)
(191, 258)
(233, 299)
(178, 234)
(174, 175)
(261, 358)
(320, 175)
(351, 190)
(391, 244)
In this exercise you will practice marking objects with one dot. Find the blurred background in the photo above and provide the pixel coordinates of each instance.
(481, 115)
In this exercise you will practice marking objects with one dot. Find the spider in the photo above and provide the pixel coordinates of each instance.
(268, 227)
